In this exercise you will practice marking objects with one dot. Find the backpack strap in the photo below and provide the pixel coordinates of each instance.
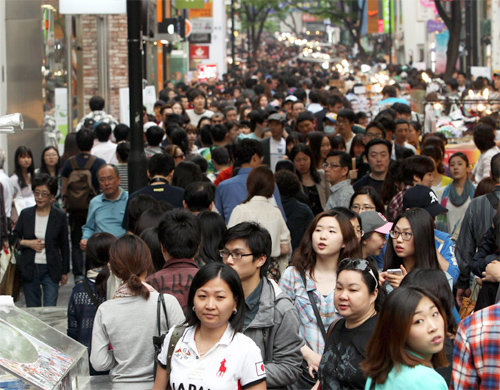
(91, 295)
(493, 199)
(176, 336)
(90, 162)
(73, 163)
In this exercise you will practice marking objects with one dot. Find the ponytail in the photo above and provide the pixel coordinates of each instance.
(135, 285)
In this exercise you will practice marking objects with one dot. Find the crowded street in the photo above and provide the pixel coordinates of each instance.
(251, 195)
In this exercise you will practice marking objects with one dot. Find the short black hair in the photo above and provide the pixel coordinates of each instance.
(378, 141)
(44, 179)
(401, 121)
(121, 132)
(348, 114)
(179, 233)
(230, 277)
(220, 156)
(96, 103)
(256, 237)
(345, 159)
(305, 116)
(154, 135)
(160, 164)
(377, 125)
(288, 183)
(334, 99)
(199, 195)
(218, 132)
(123, 150)
(136, 206)
(453, 83)
(246, 148)
(85, 140)
(389, 90)
(484, 137)
(102, 131)
(401, 108)
(416, 166)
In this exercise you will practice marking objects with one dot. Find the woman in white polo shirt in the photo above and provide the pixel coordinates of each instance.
(212, 353)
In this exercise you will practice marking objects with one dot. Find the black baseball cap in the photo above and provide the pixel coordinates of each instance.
(425, 198)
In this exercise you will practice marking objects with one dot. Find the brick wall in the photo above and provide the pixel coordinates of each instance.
(118, 59)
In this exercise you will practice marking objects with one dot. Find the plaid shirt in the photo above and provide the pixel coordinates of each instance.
(292, 284)
(396, 204)
(476, 356)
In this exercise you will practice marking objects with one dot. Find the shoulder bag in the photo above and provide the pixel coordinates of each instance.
(158, 340)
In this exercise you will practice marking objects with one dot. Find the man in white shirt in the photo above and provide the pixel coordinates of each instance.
(274, 146)
(401, 134)
(199, 107)
(8, 191)
(104, 148)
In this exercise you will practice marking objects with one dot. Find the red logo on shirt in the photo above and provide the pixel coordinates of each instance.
(222, 368)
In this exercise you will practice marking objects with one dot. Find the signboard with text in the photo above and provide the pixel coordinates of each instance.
(200, 38)
(93, 7)
(205, 12)
(206, 72)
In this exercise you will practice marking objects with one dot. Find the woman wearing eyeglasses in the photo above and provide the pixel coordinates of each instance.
(358, 298)
(403, 254)
(366, 198)
(42, 234)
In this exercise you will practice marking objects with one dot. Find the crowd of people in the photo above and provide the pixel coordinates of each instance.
(285, 240)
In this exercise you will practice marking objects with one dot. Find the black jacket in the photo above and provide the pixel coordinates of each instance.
(56, 243)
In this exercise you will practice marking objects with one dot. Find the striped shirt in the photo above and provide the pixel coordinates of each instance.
(476, 355)
(292, 284)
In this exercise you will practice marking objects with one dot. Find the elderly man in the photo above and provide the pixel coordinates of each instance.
(107, 209)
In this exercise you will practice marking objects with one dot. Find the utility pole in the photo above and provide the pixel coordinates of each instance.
(232, 35)
(137, 164)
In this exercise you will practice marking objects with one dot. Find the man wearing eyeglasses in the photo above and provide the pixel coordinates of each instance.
(337, 166)
(271, 320)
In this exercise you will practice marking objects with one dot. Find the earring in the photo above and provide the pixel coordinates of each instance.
(194, 308)
(235, 311)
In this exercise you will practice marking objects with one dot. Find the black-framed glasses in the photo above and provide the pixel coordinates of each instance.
(37, 194)
(406, 236)
(235, 255)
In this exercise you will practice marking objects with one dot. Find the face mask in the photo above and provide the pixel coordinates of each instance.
(329, 129)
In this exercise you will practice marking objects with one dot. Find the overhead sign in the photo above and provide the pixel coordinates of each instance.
(202, 25)
(205, 12)
(206, 72)
(92, 7)
(199, 52)
(200, 38)
(188, 4)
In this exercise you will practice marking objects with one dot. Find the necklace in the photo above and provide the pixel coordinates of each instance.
(202, 350)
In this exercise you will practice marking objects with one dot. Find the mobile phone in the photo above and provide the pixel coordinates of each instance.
(395, 271)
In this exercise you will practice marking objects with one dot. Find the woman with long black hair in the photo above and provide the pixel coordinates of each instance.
(24, 169)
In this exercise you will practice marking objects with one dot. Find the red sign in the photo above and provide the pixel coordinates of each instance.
(198, 52)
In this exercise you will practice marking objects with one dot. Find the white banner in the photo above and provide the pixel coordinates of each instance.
(92, 7)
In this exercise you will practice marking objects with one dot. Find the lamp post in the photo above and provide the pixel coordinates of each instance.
(137, 165)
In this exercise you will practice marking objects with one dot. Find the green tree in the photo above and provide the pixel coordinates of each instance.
(253, 15)
(452, 17)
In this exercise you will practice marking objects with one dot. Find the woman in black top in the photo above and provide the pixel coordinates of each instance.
(357, 298)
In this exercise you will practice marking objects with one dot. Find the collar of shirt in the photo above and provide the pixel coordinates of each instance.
(226, 338)
(173, 262)
(339, 185)
(244, 171)
(253, 299)
(122, 194)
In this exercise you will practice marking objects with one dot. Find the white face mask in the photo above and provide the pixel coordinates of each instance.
(329, 129)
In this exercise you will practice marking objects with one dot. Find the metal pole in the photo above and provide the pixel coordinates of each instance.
(137, 165)
(102, 59)
(232, 35)
(69, 68)
(390, 32)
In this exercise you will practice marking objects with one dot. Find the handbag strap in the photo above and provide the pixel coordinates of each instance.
(160, 303)
(176, 336)
(91, 295)
(315, 309)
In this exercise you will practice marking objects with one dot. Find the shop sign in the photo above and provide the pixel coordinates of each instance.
(199, 52)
